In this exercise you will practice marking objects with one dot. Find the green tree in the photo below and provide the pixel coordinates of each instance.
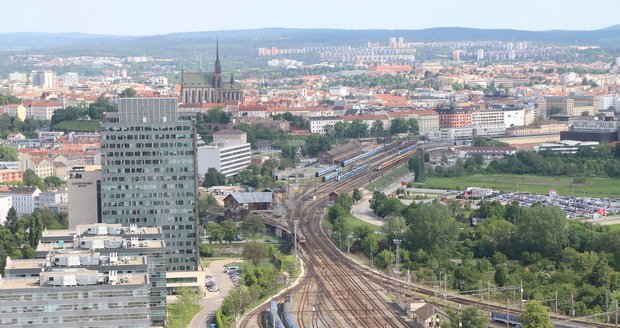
(394, 226)
(316, 143)
(213, 178)
(96, 109)
(554, 110)
(357, 195)
(53, 181)
(384, 259)
(536, 315)
(472, 317)
(11, 220)
(215, 232)
(127, 93)
(376, 129)
(432, 228)
(542, 229)
(230, 231)
(399, 125)
(8, 154)
(252, 226)
(255, 252)
(31, 179)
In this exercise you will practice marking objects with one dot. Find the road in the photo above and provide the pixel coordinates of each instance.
(212, 301)
(362, 209)
(605, 220)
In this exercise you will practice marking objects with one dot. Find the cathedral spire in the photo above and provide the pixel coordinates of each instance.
(232, 78)
(218, 66)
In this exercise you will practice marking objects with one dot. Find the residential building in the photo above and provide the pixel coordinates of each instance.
(54, 201)
(84, 192)
(8, 175)
(11, 165)
(457, 136)
(23, 199)
(543, 127)
(572, 105)
(565, 146)
(42, 166)
(487, 152)
(42, 110)
(15, 110)
(6, 202)
(148, 174)
(318, 124)
(453, 117)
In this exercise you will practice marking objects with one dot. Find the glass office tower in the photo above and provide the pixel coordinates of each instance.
(148, 154)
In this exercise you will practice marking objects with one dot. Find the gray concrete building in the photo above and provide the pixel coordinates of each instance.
(84, 192)
(148, 172)
(105, 248)
(75, 297)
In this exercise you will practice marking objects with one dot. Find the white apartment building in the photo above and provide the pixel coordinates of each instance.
(23, 199)
(6, 202)
(488, 117)
(514, 117)
(42, 110)
(318, 124)
(228, 159)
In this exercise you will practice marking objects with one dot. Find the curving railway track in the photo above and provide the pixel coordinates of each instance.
(320, 299)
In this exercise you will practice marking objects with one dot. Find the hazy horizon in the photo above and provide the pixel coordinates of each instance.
(142, 18)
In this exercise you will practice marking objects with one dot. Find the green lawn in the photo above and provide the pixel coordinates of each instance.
(78, 126)
(354, 222)
(387, 179)
(180, 318)
(594, 187)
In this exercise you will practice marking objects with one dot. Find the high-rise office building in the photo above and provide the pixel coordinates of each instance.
(84, 191)
(148, 173)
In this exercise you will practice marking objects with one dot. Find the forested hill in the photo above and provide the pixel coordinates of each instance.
(77, 43)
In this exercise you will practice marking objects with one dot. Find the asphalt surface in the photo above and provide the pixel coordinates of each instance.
(213, 300)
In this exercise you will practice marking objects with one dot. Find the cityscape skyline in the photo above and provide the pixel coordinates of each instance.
(138, 18)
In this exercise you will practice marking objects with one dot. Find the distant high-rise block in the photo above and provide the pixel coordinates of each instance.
(149, 173)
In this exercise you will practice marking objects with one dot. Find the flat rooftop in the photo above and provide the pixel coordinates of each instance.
(20, 283)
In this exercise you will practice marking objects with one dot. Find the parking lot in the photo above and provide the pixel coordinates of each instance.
(213, 300)
(573, 206)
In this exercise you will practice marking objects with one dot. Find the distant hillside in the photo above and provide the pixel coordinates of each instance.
(246, 41)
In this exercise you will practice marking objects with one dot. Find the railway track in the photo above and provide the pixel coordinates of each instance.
(321, 302)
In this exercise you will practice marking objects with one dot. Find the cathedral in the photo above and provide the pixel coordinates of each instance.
(208, 87)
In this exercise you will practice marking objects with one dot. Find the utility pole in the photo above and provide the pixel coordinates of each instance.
(296, 254)
(556, 302)
(616, 313)
(397, 243)
(572, 305)
(507, 313)
(521, 294)
(606, 307)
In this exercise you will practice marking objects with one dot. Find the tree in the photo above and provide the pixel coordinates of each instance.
(357, 195)
(413, 126)
(316, 143)
(230, 231)
(432, 228)
(127, 93)
(554, 110)
(376, 129)
(215, 232)
(394, 226)
(472, 317)
(399, 125)
(384, 259)
(213, 178)
(217, 115)
(255, 252)
(96, 109)
(11, 220)
(31, 179)
(417, 166)
(536, 315)
(53, 181)
(252, 226)
(542, 229)
(67, 114)
(8, 154)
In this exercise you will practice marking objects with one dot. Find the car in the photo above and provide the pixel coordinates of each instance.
(268, 240)
(214, 289)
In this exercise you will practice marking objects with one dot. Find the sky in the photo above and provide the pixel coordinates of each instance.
(149, 17)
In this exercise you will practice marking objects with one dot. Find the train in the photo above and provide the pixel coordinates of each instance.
(512, 319)
(331, 176)
(410, 151)
(352, 172)
(289, 318)
(275, 317)
(361, 156)
(325, 171)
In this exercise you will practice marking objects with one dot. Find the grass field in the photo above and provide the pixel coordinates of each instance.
(385, 180)
(354, 222)
(78, 126)
(594, 187)
(180, 318)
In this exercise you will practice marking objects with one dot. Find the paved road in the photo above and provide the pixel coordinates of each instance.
(362, 209)
(212, 301)
(606, 220)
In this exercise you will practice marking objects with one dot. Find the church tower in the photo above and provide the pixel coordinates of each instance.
(218, 75)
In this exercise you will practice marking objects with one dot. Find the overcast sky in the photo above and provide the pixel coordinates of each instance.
(147, 17)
